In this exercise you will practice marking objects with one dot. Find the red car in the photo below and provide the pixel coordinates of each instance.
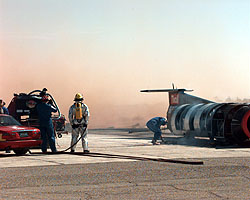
(14, 136)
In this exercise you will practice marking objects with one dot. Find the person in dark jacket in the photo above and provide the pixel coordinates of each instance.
(154, 125)
(3, 109)
(44, 111)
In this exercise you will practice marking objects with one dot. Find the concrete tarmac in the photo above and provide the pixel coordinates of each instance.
(223, 175)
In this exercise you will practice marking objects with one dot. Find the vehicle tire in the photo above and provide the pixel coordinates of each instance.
(20, 152)
(59, 135)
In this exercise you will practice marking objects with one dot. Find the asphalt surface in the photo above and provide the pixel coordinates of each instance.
(224, 174)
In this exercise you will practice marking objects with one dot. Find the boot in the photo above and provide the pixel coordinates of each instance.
(85, 151)
(155, 142)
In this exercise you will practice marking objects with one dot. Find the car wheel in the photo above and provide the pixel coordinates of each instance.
(20, 151)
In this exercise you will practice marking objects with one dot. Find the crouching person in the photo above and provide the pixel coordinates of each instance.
(79, 117)
(154, 125)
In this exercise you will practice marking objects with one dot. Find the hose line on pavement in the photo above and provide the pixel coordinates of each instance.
(104, 155)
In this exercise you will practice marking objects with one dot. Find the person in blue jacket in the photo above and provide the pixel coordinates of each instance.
(44, 110)
(154, 125)
(3, 109)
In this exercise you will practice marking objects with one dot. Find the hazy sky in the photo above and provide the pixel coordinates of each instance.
(110, 49)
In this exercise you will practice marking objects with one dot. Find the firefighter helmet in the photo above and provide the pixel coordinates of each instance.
(78, 97)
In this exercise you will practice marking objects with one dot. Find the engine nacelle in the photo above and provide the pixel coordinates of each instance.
(227, 121)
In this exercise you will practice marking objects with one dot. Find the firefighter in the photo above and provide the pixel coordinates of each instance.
(79, 117)
(44, 110)
(154, 125)
(3, 109)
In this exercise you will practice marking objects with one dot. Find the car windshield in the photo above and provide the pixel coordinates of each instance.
(8, 121)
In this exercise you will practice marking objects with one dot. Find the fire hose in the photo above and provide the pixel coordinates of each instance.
(82, 135)
(104, 155)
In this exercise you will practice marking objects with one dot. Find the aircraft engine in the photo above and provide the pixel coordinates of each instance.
(223, 121)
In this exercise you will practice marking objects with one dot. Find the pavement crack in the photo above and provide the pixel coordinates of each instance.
(219, 196)
(180, 189)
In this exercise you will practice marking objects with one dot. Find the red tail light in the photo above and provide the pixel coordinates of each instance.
(4, 136)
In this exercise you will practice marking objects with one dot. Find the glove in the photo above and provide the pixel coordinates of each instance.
(75, 126)
(84, 125)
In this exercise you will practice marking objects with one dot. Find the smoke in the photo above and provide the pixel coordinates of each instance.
(125, 116)
(232, 100)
